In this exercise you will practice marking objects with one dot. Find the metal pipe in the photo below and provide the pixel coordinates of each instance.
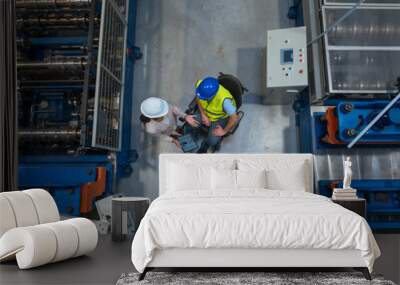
(52, 28)
(65, 134)
(57, 41)
(64, 62)
(60, 88)
(86, 83)
(32, 22)
(372, 123)
(52, 3)
(317, 59)
(41, 82)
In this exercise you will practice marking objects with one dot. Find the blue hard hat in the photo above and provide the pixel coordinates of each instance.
(207, 88)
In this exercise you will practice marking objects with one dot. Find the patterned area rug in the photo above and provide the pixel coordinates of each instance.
(269, 278)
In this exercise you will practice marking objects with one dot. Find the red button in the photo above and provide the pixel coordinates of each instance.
(301, 71)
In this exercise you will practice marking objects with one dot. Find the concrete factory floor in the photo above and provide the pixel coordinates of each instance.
(103, 266)
(185, 40)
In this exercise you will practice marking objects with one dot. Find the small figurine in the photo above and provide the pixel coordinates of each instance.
(348, 174)
(347, 192)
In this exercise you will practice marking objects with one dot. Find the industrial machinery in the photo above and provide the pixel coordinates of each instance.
(287, 58)
(362, 51)
(74, 102)
(352, 104)
(341, 123)
(383, 198)
(360, 54)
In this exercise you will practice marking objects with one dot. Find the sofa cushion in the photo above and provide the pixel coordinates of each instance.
(67, 240)
(40, 244)
(87, 235)
(45, 206)
(23, 208)
(32, 246)
(7, 218)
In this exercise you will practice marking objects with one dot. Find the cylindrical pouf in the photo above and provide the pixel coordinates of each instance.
(7, 218)
(23, 208)
(127, 212)
(45, 206)
(87, 235)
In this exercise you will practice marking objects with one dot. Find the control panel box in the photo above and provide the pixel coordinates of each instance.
(287, 58)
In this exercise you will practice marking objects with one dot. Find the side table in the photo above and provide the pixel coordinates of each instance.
(127, 212)
(358, 206)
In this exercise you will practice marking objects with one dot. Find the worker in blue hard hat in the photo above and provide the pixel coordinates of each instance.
(161, 119)
(217, 110)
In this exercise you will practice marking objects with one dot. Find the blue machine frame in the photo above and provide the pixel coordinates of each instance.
(63, 175)
(356, 115)
(382, 195)
(383, 200)
(301, 104)
(353, 116)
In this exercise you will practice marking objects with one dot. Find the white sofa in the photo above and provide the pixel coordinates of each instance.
(31, 231)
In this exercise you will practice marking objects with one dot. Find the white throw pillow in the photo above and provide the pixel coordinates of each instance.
(188, 177)
(194, 174)
(281, 174)
(223, 179)
(251, 178)
(290, 179)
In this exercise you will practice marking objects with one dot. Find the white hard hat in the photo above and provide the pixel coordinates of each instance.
(154, 107)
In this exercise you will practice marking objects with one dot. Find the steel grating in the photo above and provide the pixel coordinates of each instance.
(110, 76)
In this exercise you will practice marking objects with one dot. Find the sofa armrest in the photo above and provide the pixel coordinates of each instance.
(26, 208)
(41, 244)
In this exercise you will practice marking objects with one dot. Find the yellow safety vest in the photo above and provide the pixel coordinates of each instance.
(214, 108)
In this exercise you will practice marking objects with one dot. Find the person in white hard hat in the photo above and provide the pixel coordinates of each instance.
(161, 119)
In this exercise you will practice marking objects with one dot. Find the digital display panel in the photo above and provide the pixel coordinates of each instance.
(287, 56)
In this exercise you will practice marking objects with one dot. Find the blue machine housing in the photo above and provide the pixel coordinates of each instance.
(382, 195)
(63, 173)
(383, 200)
(301, 107)
(353, 116)
(63, 176)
